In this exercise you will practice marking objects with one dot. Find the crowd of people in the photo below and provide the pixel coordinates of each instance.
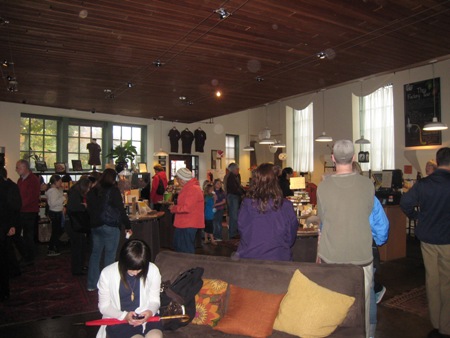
(260, 216)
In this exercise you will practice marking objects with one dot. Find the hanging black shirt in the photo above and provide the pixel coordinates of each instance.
(187, 137)
(200, 137)
(174, 136)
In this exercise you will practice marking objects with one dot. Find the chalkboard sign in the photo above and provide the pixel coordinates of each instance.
(422, 103)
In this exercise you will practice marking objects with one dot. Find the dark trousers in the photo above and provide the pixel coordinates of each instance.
(4, 268)
(78, 246)
(184, 239)
(57, 230)
(25, 242)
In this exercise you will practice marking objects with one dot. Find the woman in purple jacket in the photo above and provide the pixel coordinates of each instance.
(267, 222)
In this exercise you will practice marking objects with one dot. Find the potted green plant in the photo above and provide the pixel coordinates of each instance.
(123, 154)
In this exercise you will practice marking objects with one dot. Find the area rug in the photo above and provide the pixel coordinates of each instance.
(413, 301)
(47, 290)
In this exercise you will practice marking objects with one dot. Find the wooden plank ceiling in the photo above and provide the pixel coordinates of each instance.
(83, 54)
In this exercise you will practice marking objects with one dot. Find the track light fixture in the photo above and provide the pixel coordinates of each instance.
(130, 84)
(223, 14)
(321, 55)
(157, 63)
(259, 79)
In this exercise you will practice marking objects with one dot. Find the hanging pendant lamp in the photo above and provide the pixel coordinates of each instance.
(434, 125)
(161, 152)
(264, 135)
(324, 137)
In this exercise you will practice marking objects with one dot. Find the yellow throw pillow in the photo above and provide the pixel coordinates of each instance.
(250, 313)
(209, 302)
(310, 310)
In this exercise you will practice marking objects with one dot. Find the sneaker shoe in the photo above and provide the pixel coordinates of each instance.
(379, 295)
(52, 253)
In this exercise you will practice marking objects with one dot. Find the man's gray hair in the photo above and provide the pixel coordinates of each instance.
(233, 166)
(343, 151)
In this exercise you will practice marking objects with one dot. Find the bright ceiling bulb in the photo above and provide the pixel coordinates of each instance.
(218, 93)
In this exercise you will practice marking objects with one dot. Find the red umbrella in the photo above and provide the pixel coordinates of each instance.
(114, 321)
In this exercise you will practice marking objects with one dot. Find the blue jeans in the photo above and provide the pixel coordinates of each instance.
(233, 208)
(103, 238)
(184, 240)
(217, 224)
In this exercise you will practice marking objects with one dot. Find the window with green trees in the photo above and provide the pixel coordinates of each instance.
(39, 139)
(79, 137)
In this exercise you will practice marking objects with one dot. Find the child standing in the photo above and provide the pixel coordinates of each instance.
(55, 202)
(210, 200)
(221, 200)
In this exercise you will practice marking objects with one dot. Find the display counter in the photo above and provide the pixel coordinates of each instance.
(395, 247)
(145, 228)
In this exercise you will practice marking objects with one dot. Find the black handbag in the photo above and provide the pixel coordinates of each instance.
(79, 220)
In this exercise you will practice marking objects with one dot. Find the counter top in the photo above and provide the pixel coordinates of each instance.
(153, 215)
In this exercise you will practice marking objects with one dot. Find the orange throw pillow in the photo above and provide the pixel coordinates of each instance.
(250, 312)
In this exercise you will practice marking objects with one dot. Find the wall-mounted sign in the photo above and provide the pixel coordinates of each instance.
(422, 103)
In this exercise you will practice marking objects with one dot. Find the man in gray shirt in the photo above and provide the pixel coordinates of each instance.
(345, 201)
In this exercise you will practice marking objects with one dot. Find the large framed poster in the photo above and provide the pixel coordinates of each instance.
(422, 103)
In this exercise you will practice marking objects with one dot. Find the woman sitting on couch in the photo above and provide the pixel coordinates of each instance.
(267, 222)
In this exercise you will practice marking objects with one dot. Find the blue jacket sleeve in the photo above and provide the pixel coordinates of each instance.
(379, 223)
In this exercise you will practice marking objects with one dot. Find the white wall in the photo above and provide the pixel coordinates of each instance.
(337, 113)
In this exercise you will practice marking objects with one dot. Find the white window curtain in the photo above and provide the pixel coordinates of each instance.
(303, 140)
(377, 117)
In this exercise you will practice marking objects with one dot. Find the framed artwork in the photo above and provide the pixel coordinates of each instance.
(60, 168)
(41, 166)
(76, 165)
(422, 103)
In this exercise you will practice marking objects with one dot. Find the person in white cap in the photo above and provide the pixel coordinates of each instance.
(189, 212)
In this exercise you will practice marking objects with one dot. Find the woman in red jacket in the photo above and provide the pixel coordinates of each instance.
(155, 195)
(188, 212)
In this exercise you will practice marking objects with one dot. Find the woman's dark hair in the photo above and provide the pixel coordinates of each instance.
(83, 185)
(53, 180)
(107, 178)
(287, 171)
(264, 186)
(134, 255)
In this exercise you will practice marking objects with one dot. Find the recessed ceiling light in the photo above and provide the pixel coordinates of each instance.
(218, 93)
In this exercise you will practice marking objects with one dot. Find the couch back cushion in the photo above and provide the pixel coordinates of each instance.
(273, 276)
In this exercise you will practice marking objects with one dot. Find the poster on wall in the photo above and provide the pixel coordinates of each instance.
(422, 103)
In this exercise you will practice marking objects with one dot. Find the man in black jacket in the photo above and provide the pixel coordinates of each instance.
(234, 195)
(10, 204)
(431, 196)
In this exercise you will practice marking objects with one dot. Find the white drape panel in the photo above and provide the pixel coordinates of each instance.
(303, 140)
(378, 127)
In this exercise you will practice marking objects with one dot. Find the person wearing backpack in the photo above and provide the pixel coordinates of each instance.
(159, 185)
(106, 214)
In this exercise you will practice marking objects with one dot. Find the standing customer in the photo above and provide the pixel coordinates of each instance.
(78, 226)
(30, 193)
(106, 213)
(432, 197)
(55, 202)
(189, 212)
(10, 203)
(221, 200)
(234, 194)
(345, 202)
(285, 184)
(157, 194)
(267, 222)
(128, 288)
(210, 200)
